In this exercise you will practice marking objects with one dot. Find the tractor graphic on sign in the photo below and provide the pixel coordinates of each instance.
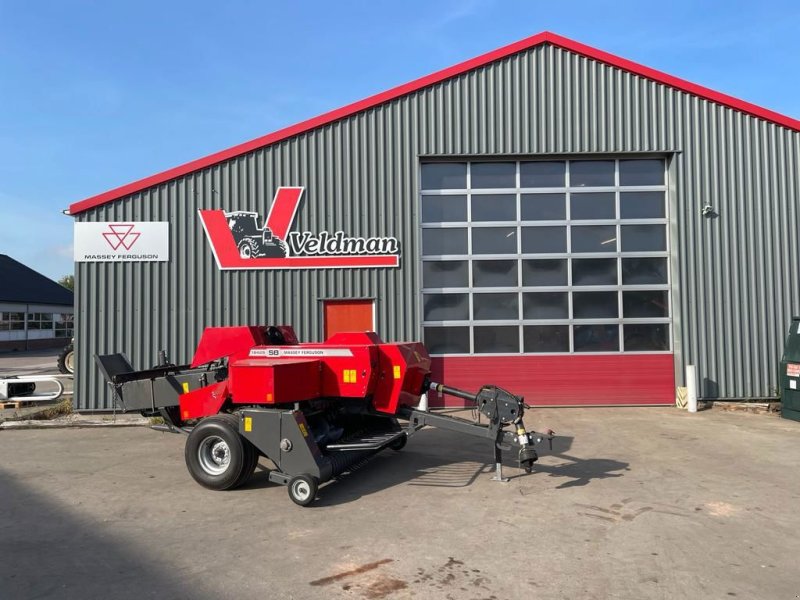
(252, 239)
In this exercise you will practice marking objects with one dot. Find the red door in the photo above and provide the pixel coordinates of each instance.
(348, 315)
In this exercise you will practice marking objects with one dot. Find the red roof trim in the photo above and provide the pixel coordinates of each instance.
(422, 82)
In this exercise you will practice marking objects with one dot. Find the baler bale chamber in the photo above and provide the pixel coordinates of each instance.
(315, 410)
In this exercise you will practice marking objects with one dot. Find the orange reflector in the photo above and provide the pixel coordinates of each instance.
(269, 397)
(397, 371)
(248, 423)
(185, 387)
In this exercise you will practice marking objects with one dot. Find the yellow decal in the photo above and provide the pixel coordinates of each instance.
(303, 429)
(248, 423)
(185, 387)
(349, 375)
(397, 371)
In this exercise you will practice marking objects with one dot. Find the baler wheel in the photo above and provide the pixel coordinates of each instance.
(215, 453)
(303, 489)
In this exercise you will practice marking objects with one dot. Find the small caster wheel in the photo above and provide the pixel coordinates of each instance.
(399, 443)
(303, 489)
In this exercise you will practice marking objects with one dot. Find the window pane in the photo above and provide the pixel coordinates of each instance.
(444, 176)
(544, 272)
(447, 340)
(543, 207)
(644, 304)
(436, 242)
(16, 325)
(644, 238)
(595, 305)
(494, 207)
(545, 305)
(592, 206)
(594, 238)
(584, 173)
(646, 337)
(447, 273)
(546, 338)
(494, 273)
(594, 271)
(642, 271)
(542, 240)
(495, 306)
(445, 307)
(542, 174)
(493, 175)
(642, 205)
(596, 338)
(494, 240)
(641, 172)
(496, 339)
(439, 209)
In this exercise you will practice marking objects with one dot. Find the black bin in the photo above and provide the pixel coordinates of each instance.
(790, 373)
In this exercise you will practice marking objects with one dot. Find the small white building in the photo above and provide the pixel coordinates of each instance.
(35, 312)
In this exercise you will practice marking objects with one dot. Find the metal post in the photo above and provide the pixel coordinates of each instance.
(691, 388)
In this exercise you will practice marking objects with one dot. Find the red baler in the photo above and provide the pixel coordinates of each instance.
(313, 409)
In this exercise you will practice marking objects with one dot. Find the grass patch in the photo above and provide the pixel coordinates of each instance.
(61, 409)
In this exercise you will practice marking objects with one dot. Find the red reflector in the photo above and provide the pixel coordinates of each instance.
(793, 370)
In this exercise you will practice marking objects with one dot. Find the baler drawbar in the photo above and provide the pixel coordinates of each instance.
(315, 410)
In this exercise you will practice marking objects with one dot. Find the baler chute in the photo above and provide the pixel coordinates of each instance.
(314, 409)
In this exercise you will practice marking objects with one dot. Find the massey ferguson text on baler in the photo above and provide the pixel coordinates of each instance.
(314, 409)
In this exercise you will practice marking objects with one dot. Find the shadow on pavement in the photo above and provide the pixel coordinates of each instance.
(49, 552)
(439, 458)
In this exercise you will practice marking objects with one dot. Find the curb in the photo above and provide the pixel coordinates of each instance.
(34, 424)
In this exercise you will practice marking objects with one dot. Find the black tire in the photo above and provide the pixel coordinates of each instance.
(248, 248)
(215, 453)
(303, 489)
(66, 360)
(252, 455)
(399, 443)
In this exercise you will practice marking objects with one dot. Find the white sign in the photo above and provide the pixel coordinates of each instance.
(281, 352)
(129, 241)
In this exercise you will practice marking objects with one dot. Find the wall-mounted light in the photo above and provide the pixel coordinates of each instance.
(708, 211)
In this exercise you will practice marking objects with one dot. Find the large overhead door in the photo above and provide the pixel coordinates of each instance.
(549, 276)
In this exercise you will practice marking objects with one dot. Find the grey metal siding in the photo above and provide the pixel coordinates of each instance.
(736, 276)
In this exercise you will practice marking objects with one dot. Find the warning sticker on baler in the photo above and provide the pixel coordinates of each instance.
(792, 369)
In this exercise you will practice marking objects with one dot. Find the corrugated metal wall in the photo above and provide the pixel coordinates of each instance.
(736, 273)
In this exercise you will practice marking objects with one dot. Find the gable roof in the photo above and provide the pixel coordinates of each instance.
(340, 113)
(23, 284)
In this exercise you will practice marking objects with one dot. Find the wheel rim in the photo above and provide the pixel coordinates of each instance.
(246, 251)
(214, 455)
(70, 362)
(301, 490)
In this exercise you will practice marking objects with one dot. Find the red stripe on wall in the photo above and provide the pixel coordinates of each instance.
(606, 380)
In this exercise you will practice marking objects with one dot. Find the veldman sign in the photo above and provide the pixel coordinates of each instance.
(239, 241)
(129, 241)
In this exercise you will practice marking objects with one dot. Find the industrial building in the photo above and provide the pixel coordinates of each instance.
(35, 312)
(547, 217)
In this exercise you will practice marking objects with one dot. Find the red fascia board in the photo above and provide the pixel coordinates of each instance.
(428, 80)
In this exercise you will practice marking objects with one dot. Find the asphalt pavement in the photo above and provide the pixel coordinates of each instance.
(632, 503)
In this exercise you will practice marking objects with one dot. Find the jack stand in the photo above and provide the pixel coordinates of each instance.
(498, 461)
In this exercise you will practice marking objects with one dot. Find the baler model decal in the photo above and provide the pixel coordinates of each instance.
(238, 241)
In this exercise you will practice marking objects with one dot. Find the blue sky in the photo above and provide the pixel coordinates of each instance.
(95, 94)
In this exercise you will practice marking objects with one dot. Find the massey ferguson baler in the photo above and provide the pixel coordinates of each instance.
(315, 410)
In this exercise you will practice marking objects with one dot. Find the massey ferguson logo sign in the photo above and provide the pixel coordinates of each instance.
(240, 241)
(131, 241)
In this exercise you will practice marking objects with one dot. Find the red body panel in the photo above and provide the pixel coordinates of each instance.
(206, 401)
(576, 380)
(273, 381)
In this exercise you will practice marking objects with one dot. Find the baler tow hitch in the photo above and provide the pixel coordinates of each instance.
(501, 408)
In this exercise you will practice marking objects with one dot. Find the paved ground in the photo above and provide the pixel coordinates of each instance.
(634, 503)
(33, 362)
